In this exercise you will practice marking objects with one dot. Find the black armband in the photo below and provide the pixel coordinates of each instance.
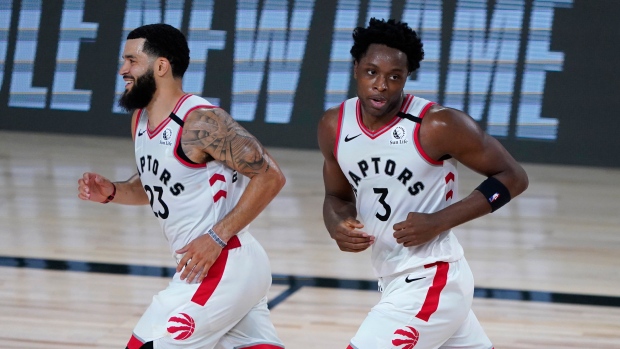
(495, 192)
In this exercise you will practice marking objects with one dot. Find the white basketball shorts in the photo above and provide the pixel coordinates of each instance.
(427, 308)
(227, 310)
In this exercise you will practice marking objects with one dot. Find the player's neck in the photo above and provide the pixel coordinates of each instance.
(163, 103)
(374, 122)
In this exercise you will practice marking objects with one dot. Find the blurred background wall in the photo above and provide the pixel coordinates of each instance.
(541, 76)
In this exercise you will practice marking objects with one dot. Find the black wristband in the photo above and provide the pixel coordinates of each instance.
(495, 192)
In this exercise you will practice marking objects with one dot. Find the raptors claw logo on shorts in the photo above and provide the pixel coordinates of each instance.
(181, 326)
(411, 338)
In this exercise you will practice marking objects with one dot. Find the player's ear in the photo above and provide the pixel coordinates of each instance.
(355, 70)
(162, 66)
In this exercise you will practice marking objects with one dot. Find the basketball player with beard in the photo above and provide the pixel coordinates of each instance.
(391, 183)
(206, 178)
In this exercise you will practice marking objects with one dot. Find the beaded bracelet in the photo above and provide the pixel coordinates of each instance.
(111, 197)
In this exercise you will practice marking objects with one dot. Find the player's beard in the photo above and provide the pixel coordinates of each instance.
(141, 93)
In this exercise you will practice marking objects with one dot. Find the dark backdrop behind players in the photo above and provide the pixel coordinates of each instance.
(581, 94)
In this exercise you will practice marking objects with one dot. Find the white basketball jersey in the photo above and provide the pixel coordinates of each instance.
(187, 198)
(392, 176)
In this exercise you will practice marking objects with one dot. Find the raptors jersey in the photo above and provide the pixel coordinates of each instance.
(187, 198)
(392, 176)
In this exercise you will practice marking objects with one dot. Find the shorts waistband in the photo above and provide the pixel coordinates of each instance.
(234, 242)
(242, 238)
(238, 240)
(384, 281)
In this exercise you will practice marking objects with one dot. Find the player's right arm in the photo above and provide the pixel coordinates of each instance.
(94, 187)
(339, 211)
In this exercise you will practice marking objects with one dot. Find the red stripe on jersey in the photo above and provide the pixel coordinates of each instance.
(179, 102)
(366, 130)
(182, 161)
(340, 117)
(449, 195)
(157, 129)
(406, 103)
(220, 194)
(217, 177)
(215, 273)
(137, 123)
(134, 343)
(350, 347)
(449, 177)
(165, 122)
(395, 120)
(432, 297)
(416, 137)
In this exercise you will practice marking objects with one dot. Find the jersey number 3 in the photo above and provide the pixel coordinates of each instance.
(388, 210)
(159, 191)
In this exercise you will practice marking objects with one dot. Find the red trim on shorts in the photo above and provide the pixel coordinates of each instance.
(264, 346)
(134, 343)
(432, 297)
(214, 275)
(233, 243)
(350, 347)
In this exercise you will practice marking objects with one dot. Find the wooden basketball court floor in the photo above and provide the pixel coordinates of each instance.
(78, 275)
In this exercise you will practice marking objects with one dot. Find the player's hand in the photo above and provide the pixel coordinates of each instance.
(94, 187)
(417, 229)
(349, 239)
(200, 254)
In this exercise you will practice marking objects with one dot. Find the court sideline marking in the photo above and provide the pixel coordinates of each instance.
(295, 283)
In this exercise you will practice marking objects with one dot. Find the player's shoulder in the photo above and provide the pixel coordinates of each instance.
(447, 130)
(206, 111)
(134, 122)
(328, 128)
(439, 116)
(331, 114)
(328, 124)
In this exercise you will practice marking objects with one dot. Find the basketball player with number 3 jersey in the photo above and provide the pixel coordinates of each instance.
(390, 175)
(206, 178)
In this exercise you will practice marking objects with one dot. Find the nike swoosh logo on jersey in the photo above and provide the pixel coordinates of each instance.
(140, 133)
(408, 280)
(346, 139)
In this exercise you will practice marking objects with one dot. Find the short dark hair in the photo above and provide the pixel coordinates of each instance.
(163, 40)
(393, 34)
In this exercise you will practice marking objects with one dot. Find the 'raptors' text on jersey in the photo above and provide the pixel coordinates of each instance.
(187, 198)
(392, 176)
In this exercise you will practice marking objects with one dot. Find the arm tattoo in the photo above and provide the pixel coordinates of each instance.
(214, 132)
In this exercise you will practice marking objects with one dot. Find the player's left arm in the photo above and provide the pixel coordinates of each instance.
(216, 133)
(213, 133)
(446, 131)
